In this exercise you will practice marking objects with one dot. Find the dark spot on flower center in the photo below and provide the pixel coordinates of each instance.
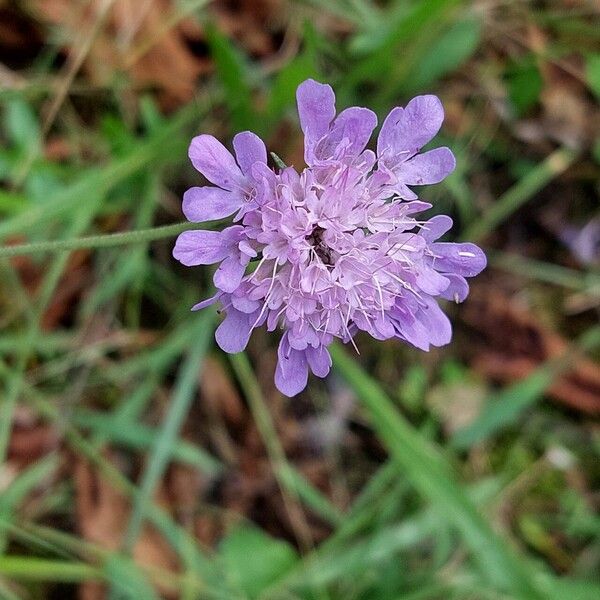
(322, 250)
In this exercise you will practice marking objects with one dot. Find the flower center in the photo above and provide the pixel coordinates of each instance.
(321, 249)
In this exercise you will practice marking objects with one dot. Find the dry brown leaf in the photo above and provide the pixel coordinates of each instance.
(20, 37)
(250, 22)
(137, 39)
(102, 516)
(516, 343)
(220, 393)
(75, 279)
(30, 444)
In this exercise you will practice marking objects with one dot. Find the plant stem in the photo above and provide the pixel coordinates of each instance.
(99, 241)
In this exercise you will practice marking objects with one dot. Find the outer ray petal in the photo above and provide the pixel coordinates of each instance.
(249, 149)
(291, 373)
(209, 203)
(316, 108)
(215, 162)
(427, 168)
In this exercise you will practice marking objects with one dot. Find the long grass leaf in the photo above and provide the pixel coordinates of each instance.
(166, 440)
(429, 472)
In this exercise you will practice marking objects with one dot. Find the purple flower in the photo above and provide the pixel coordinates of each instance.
(335, 249)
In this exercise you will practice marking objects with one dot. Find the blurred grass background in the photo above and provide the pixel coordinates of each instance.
(137, 461)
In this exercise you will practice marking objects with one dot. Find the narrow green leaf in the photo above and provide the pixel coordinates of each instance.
(232, 73)
(26, 481)
(592, 72)
(109, 240)
(311, 496)
(27, 568)
(525, 84)
(388, 63)
(503, 409)
(449, 51)
(22, 126)
(545, 271)
(165, 143)
(278, 161)
(525, 189)
(140, 437)
(255, 560)
(508, 405)
(289, 479)
(182, 397)
(425, 466)
(127, 579)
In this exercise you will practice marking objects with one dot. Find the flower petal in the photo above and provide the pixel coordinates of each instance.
(427, 168)
(209, 203)
(458, 289)
(403, 191)
(215, 162)
(411, 330)
(207, 302)
(464, 259)
(249, 149)
(406, 130)
(291, 374)
(316, 108)
(201, 247)
(386, 141)
(355, 125)
(244, 304)
(430, 281)
(229, 274)
(436, 227)
(233, 333)
(436, 323)
(318, 360)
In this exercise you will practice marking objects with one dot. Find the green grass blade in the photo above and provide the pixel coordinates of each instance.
(192, 555)
(521, 192)
(232, 73)
(310, 495)
(505, 407)
(163, 448)
(166, 144)
(140, 437)
(14, 380)
(27, 480)
(429, 472)
(289, 478)
(127, 579)
(545, 271)
(26, 568)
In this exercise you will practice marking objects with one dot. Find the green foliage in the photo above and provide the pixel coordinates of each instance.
(525, 84)
(447, 53)
(255, 560)
(596, 150)
(431, 475)
(592, 73)
(22, 127)
(413, 386)
(232, 73)
(412, 509)
(396, 43)
(127, 579)
(283, 90)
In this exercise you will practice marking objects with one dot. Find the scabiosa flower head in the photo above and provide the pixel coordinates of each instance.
(337, 248)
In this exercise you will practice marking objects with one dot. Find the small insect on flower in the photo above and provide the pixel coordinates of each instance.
(339, 247)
